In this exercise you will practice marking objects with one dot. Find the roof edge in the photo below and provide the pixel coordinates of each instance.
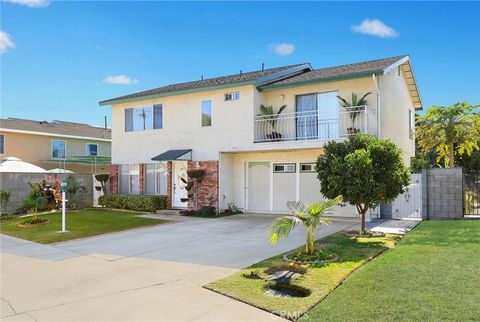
(320, 80)
(187, 91)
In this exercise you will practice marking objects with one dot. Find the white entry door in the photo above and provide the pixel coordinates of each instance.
(178, 185)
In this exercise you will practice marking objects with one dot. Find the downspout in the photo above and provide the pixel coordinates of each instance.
(376, 81)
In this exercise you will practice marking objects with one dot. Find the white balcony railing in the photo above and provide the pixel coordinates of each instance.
(315, 125)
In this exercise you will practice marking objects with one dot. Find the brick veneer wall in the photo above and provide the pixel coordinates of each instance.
(169, 184)
(113, 179)
(141, 173)
(208, 190)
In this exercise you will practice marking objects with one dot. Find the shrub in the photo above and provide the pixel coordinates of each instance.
(139, 203)
(4, 199)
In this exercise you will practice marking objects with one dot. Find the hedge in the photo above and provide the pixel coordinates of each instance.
(139, 203)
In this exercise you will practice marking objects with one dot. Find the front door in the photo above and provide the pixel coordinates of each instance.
(178, 185)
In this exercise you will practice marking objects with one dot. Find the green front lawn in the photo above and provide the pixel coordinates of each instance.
(83, 223)
(320, 279)
(432, 275)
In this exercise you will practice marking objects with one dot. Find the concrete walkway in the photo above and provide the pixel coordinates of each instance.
(149, 274)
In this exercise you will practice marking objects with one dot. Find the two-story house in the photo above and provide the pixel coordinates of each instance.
(77, 147)
(255, 160)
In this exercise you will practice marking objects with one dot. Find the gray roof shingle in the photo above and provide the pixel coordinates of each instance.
(56, 127)
(217, 81)
(340, 71)
(297, 76)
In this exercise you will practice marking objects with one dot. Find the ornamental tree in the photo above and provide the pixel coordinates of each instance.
(450, 130)
(365, 170)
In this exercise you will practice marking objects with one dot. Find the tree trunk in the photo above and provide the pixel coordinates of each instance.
(362, 211)
(452, 155)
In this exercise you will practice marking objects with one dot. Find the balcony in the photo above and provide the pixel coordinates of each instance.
(315, 125)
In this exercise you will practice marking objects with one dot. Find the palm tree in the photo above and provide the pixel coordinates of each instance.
(269, 114)
(73, 187)
(308, 216)
(450, 130)
(355, 105)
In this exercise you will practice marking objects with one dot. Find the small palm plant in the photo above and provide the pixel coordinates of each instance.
(270, 115)
(308, 216)
(35, 201)
(355, 105)
(73, 187)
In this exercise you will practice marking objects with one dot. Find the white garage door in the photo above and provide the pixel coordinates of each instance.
(270, 185)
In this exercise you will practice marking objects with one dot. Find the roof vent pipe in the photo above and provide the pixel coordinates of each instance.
(263, 67)
(202, 78)
(241, 72)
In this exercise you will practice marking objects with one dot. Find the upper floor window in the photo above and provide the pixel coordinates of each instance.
(143, 118)
(58, 149)
(207, 113)
(411, 123)
(92, 149)
(234, 96)
(2, 144)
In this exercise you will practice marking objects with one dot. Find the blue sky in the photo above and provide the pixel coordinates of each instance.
(60, 58)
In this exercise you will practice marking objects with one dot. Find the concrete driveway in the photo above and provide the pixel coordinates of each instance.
(149, 274)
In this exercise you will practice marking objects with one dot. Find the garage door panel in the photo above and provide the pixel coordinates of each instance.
(284, 190)
(259, 186)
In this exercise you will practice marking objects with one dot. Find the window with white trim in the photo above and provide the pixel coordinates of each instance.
(233, 96)
(144, 118)
(284, 168)
(155, 179)
(411, 123)
(307, 167)
(206, 113)
(92, 149)
(129, 179)
(58, 149)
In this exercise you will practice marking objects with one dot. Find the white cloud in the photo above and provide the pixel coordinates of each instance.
(30, 3)
(282, 49)
(119, 79)
(5, 42)
(375, 27)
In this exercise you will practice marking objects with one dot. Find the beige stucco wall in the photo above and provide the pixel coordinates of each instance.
(37, 149)
(232, 127)
(394, 117)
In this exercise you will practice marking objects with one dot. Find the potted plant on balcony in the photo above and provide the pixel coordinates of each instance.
(272, 117)
(354, 107)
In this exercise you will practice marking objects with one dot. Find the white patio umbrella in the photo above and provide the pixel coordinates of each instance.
(59, 170)
(12, 164)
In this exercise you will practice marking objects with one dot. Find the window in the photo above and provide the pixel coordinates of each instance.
(207, 113)
(307, 167)
(92, 149)
(158, 116)
(156, 179)
(411, 123)
(123, 174)
(129, 179)
(235, 96)
(143, 118)
(284, 168)
(2, 144)
(58, 149)
(134, 179)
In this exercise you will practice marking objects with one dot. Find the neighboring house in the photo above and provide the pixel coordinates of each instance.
(257, 163)
(77, 147)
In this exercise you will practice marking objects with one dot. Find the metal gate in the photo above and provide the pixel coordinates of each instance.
(471, 184)
(409, 204)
